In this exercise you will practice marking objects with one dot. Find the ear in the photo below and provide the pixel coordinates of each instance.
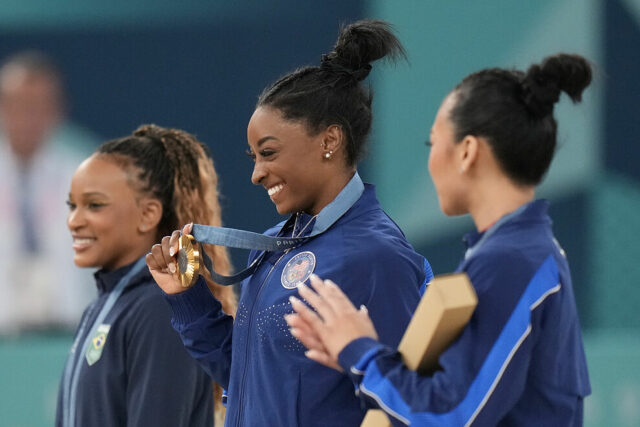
(332, 139)
(467, 153)
(150, 214)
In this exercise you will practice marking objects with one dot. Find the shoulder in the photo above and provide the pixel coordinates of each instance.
(509, 261)
(145, 305)
(371, 246)
(375, 235)
(496, 263)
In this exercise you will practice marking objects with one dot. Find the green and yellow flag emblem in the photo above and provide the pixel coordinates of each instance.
(97, 344)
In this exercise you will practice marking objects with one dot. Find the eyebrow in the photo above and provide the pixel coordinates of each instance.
(265, 139)
(92, 194)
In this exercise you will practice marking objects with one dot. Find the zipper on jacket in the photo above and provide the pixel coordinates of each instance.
(246, 354)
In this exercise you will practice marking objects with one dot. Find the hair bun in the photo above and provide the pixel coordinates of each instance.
(358, 45)
(542, 84)
(336, 68)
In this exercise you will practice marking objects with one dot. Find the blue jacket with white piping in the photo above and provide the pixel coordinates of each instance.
(519, 362)
(268, 378)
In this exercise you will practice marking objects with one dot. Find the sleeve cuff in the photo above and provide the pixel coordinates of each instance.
(355, 357)
(193, 303)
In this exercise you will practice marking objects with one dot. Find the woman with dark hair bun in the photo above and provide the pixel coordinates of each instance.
(305, 137)
(127, 366)
(520, 361)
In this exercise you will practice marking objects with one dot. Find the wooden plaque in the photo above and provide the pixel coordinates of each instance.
(440, 317)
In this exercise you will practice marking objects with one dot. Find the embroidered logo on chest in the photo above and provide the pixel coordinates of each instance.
(298, 269)
(94, 351)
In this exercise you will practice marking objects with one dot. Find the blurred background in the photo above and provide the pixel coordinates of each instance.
(200, 65)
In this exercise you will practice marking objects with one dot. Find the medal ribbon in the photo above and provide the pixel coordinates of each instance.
(241, 239)
(71, 371)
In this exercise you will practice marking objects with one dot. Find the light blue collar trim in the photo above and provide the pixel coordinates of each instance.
(341, 204)
(506, 218)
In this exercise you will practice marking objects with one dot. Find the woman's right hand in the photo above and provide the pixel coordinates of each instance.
(163, 264)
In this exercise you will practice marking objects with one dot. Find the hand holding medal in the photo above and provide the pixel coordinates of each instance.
(175, 262)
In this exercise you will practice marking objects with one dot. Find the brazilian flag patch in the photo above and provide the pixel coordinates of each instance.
(97, 344)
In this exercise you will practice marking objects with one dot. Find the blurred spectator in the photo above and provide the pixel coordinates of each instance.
(40, 288)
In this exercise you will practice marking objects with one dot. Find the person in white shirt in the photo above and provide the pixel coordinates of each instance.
(40, 288)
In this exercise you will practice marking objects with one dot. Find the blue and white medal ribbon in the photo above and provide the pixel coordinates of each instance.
(241, 239)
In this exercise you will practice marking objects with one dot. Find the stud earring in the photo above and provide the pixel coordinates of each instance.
(328, 154)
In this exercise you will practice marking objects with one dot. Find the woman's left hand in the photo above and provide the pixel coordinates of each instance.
(334, 324)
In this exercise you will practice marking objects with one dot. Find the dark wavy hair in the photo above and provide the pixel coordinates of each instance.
(513, 110)
(332, 93)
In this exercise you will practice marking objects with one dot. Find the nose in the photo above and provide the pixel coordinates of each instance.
(259, 172)
(75, 219)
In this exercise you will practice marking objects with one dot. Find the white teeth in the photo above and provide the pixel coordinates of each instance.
(82, 240)
(273, 190)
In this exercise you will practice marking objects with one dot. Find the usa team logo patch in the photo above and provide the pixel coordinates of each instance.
(298, 269)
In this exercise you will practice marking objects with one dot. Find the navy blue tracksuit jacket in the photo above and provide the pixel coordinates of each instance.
(519, 362)
(269, 380)
(143, 376)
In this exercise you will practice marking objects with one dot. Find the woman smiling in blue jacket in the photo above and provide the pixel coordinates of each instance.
(127, 365)
(305, 137)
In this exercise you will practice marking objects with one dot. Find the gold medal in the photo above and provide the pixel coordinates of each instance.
(188, 260)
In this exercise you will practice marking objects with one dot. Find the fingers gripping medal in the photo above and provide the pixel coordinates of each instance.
(188, 260)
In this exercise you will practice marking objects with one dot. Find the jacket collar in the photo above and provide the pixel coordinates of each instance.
(532, 211)
(106, 280)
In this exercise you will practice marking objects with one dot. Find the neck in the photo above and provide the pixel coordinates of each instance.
(494, 200)
(143, 245)
(333, 187)
(130, 259)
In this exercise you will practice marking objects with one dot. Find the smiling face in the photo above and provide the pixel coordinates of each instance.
(290, 163)
(104, 216)
(444, 162)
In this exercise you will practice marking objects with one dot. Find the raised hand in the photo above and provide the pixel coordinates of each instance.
(334, 324)
(163, 264)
